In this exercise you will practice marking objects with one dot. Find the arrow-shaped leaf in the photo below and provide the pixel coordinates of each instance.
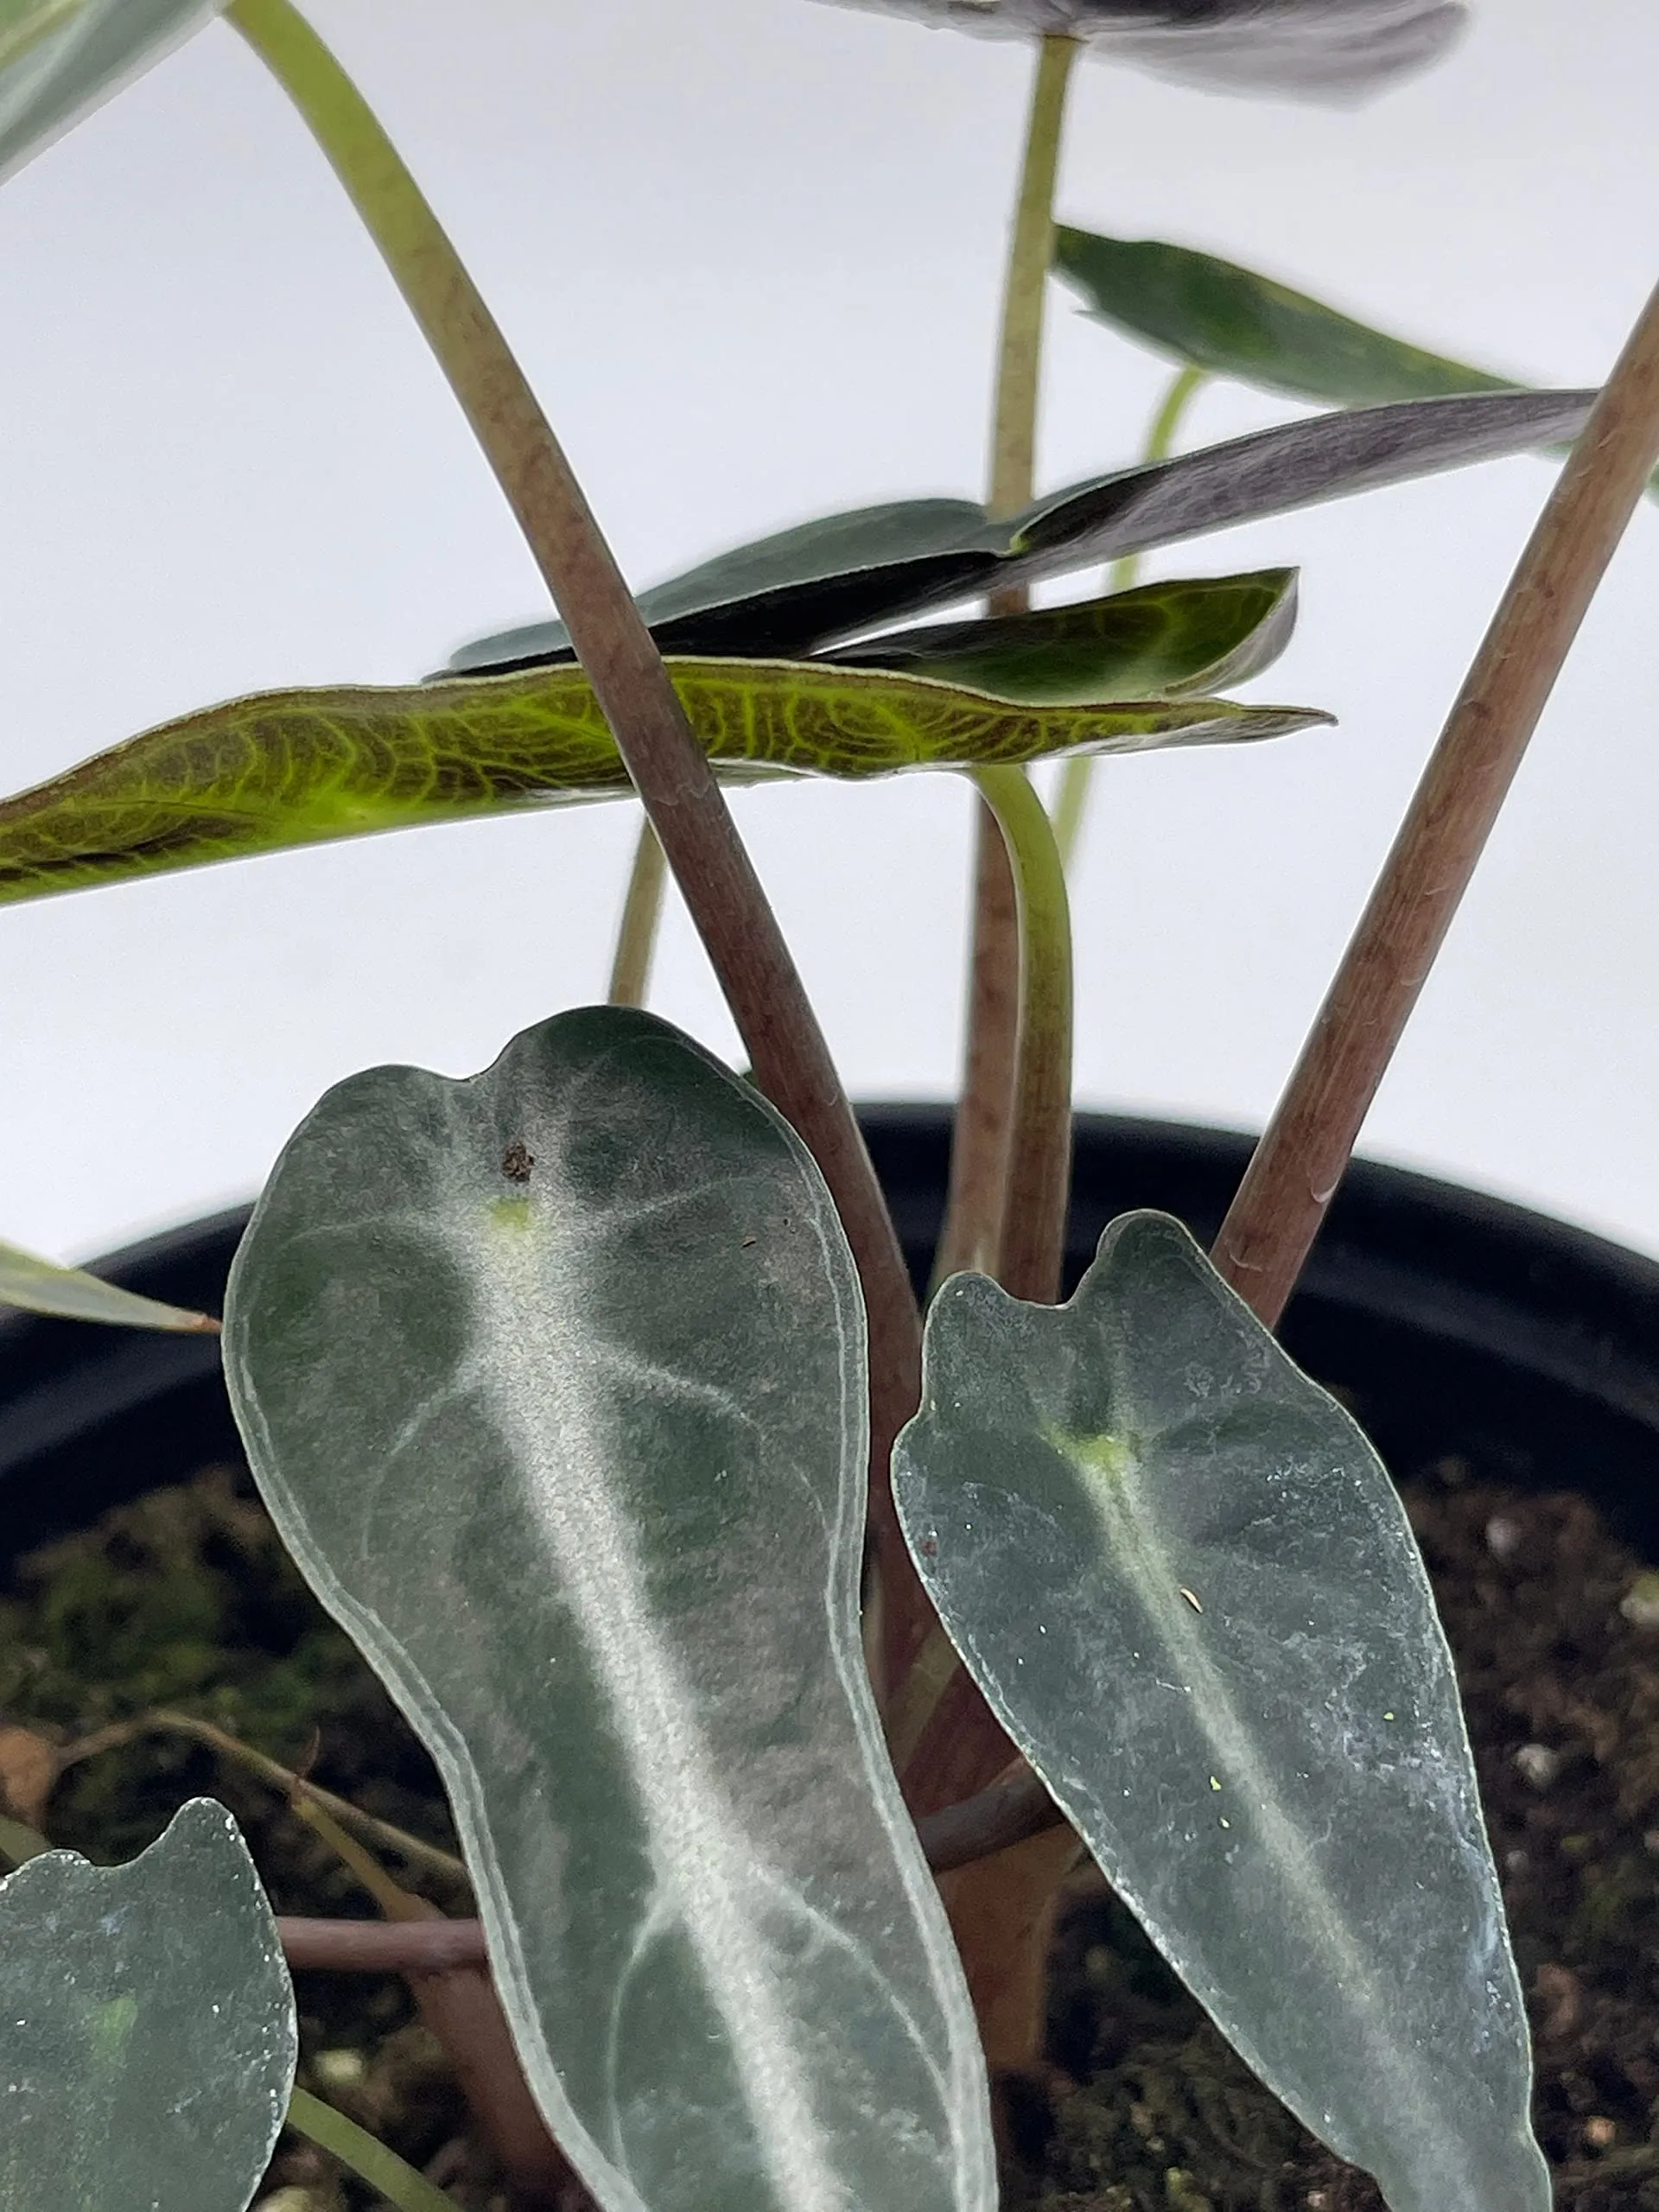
(1156, 642)
(147, 2032)
(1104, 520)
(1211, 315)
(42, 1287)
(554, 1380)
(288, 768)
(1341, 50)
(60, 59)
(1183, 1580)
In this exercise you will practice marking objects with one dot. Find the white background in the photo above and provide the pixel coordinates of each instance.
(749, 251)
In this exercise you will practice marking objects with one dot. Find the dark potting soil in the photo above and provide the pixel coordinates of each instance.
(187, 1600)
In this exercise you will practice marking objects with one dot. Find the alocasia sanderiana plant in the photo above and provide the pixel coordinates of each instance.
(590, 1394)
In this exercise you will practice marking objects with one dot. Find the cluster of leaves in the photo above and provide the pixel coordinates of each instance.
(554, 1381)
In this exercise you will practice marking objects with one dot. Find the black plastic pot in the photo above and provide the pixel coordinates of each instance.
(1452, 1323)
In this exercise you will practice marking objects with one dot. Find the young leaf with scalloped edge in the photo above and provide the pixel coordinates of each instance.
(146, 2030)
(1214, 315)
(1183, 1580)
(554, 1380)
(288, 768)
(42, 1287)
(1159, 641)
(61, 59)
(1341, 50)
(787, 615)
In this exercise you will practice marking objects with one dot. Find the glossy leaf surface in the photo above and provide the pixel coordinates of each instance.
(952, 533)
(1155, 642)
(147, 2032)
(1214, 315)
(60, 57)
(1184, 1581)
(289, 768)
(1132, 511)
(42, 1287)
(554, 1383)
(1313, 50)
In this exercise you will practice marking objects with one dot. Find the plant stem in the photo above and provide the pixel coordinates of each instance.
(1011, 1808)
(1071, 800)
(383, 1832)
(687, 811)
(977, 1201)
(365, 2156)
(1302, 1156)
(1039, 1169)
(458, 2003)
(421, 1947)
(1031, 252)
(642, 912)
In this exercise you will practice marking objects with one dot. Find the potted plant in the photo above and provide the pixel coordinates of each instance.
(591, 1395)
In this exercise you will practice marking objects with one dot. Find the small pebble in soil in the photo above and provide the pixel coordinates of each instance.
(288, 2200)
(1538, 1763)
(1598, 2134)
(339, 2069)
(1503, 1536)
(1640, 1604)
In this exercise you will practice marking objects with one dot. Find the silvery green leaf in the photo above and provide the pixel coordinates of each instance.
(147, 2032)
(43, 1286)
(60, 59)
(1340, 50)
(554, 1383)
(1182, 1578)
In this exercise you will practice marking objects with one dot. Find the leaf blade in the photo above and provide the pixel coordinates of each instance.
(1274, 472)
(1132, 511)
(61, 59)
(290, 768)
(1229, 321)
(818, 552)
(607, 1564)
(1161, 640)
(147, 2032)
(1238, 1689)
(71, 1295)
(1336, 50)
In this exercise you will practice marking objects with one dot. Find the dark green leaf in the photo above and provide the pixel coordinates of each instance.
(943, 534)
(59, 59)
(300, 767)
(1313, 50)
(1212, 315)
(1157, 642)
(1182, 1578)
(1130, 511)
(554, 1380)
(147, 2034)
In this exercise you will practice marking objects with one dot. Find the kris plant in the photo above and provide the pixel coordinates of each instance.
(780, 1654)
